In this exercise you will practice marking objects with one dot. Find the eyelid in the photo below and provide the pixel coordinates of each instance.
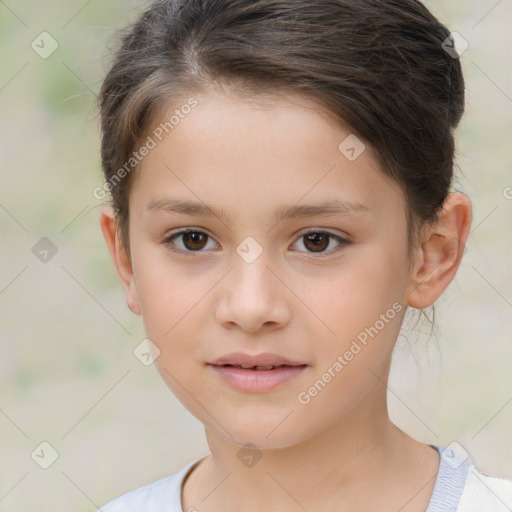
(342, 242)
(167, 240)
(326, 231)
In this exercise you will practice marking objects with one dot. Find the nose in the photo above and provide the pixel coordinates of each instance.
(253, 298)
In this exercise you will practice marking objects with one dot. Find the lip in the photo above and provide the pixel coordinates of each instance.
(263, 359)
(253, 380)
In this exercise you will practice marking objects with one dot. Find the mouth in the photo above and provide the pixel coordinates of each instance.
(263, 360)
(256, 373)
(259, 368)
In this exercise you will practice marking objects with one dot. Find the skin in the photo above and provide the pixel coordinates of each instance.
(340, 451)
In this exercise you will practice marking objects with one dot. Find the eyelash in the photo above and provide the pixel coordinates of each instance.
(169, 242)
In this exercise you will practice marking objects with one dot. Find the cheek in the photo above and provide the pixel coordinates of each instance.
(170, 303)
(173, 315)
(168, 293)
(364, 305)
(354, 296)
(352, 368)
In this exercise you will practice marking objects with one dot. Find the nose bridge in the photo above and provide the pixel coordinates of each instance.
(252, 296)
(251, 274)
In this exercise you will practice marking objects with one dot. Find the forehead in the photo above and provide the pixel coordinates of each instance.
(238, 152)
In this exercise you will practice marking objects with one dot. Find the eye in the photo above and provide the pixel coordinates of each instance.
(192, 240)
(189, 241)
(317, 242)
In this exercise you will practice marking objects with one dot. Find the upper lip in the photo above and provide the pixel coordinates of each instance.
(248, 360)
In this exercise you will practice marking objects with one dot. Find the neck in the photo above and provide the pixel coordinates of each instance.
(344, 467)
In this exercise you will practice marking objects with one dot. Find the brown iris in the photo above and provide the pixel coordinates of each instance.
(319, 241)
(194, 241)
(315, 242)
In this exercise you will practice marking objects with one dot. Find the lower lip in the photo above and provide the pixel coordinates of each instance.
(257, 381)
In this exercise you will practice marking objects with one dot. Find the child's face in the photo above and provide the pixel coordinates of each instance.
(303, 306)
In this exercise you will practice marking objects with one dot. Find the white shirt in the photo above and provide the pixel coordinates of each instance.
(459, 487)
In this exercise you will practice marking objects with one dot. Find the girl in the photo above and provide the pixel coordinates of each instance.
(280, 176)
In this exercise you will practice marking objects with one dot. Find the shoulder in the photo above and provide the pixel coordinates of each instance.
(485, 493)
(163, 495)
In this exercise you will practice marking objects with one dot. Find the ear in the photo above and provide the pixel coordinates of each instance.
(440, 254)
(122, 263)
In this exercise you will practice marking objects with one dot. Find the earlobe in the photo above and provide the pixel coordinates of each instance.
(441, 251)
(122, 263)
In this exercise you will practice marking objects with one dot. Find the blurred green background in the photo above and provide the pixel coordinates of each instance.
(68, 373)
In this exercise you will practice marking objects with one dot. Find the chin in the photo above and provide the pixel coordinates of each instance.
(259, 441)
(268, 432)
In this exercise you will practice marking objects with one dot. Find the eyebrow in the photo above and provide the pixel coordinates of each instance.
(333, 207)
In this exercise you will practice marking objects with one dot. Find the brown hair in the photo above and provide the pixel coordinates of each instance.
(378, 65)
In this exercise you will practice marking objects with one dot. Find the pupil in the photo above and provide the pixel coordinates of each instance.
(319, 240)
(196, 241)
(195, 238)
